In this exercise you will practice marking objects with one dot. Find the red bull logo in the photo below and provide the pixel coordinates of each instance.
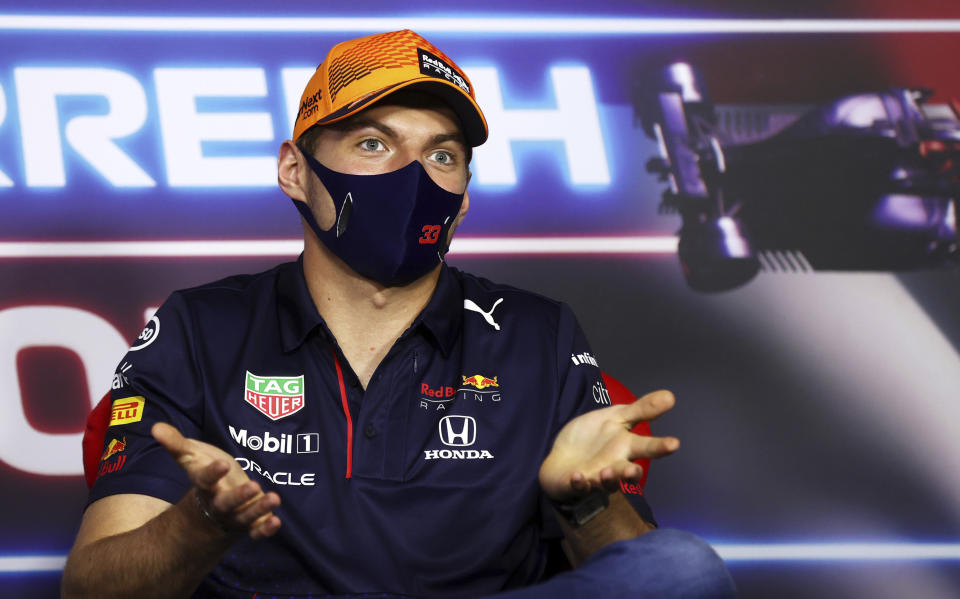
(113, 448)
(479, 381)
(631, 488)
(427, 390)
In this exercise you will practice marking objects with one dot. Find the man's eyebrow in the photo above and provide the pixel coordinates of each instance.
(362, 123)
(442, 137)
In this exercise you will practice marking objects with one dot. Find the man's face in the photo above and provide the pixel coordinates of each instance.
(388, 137)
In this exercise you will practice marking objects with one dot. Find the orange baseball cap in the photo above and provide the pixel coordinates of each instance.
(359, 72)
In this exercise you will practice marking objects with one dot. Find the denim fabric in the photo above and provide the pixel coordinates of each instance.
(662, 564)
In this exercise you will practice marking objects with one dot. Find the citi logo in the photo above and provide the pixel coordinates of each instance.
(458, 431)
(284, 443)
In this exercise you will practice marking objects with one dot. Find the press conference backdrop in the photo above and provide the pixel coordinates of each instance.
(817, 410)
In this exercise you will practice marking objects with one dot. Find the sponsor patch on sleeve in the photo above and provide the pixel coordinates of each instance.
(113, 457)
(127, 410)
(631, 488)
(586, 358)
(148, 335)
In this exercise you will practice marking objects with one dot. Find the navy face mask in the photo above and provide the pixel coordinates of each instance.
(391, 228)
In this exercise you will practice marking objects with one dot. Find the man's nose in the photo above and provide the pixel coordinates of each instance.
(405, 156)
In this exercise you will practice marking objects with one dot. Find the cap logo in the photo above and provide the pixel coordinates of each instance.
(433, 66)
(309, 105)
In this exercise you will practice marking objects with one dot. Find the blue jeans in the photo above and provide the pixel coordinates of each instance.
(662, 564)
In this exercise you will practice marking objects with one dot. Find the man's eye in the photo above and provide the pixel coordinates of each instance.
(371, 145)
(443, 157)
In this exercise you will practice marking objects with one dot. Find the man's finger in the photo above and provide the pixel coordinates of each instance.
(230, 500)
(652, 447)
(648, 407)
(267, 528)
(631, 472)
(610, 479)
(248, 517)
(579, 483)
(207, 477)
(611, 475)
(170, 438)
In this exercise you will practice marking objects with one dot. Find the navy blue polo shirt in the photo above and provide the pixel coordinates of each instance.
(424, 483)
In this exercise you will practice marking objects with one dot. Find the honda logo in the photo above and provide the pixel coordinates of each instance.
(458, 431)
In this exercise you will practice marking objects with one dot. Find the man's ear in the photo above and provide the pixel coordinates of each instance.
(465, 205)
(292, 171)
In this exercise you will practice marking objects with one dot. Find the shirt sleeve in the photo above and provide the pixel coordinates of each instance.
(582, 389)
(157, 381)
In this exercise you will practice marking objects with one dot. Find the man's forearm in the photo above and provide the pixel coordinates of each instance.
(166, 557)
(617, 522)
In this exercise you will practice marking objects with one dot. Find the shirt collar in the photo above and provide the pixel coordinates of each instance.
(298, 316)
(443, 315)
(295, 308)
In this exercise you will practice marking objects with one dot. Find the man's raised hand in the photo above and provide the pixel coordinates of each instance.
(224, 492)
(596, 449)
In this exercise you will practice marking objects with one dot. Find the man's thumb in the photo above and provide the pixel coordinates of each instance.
(169, 437)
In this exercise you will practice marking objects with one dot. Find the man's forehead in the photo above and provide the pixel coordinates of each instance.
(390, 116)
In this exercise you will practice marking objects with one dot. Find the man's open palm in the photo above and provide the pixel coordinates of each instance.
(597, 449)
(224, 490)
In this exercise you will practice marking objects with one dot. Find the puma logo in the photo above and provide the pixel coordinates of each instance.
(488, 316)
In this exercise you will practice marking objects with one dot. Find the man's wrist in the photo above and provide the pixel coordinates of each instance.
(580, 510)
(210, 521)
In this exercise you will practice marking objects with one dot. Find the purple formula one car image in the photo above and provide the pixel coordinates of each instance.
(865, 182)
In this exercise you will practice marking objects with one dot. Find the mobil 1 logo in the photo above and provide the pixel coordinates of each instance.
(282, 443)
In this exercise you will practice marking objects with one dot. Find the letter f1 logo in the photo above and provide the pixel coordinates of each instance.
(458, 431)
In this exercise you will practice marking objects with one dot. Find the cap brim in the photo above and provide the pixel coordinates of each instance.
(471, 118)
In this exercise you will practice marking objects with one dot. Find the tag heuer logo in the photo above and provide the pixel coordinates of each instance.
(275, 396)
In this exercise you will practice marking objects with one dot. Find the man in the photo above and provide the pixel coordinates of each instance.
(368, 420)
